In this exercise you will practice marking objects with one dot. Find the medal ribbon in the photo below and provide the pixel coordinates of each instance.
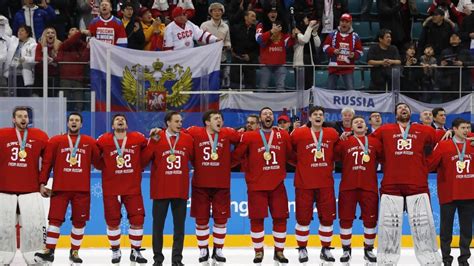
(267, 145)
(213, 143)
(318, 142)
(72, 148)
(404, 131)
(120, 149)
(365, 146)
(463, 152)
(172, 147)
(21, 142)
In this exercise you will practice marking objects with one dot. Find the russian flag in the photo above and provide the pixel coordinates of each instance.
(134, 73)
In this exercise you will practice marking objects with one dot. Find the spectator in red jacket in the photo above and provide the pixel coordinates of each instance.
(343, 46)
(71, 76)
(50, 40)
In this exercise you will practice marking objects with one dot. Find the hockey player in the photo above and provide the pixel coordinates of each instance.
(71, 156)
(170, 152)
(314, 182)
(20, 150)
(121, 183)
(181, 33)
(405, 182)
(452, 158)
(359, 155)
(211, 182)
(267, 149)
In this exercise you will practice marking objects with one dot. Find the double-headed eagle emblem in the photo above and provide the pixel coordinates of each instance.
(154, 79)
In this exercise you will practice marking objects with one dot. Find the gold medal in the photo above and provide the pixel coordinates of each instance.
(120, 161)
(73, 160)
(404, 143)
(172, 158)
(214, 156)
(366, 158)
(461, 164)
(22, 154)
(318, 154)
(267, 156)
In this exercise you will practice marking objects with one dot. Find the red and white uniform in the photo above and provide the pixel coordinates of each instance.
(71, 184)
(110, 31)
(454, 183)
(21, 175)
(168, 179)
(272, 52)
(314, 182)
(358, 185)
(265, 187)
(346, 43)
(412, 178)
(178, 37)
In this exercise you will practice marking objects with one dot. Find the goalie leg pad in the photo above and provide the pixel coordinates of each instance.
(390, 229)
(423, 229)
(33, 225)
(8, 203)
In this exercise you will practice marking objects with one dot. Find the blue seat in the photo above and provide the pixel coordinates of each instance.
(363, 60)
(416, 29)
(423, 5)
(374, 11)
(362, 28)
(354, 7)
(321, 78)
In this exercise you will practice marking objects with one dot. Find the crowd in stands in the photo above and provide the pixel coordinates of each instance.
(273, 33)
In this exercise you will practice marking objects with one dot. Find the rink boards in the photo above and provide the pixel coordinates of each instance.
(238, 225)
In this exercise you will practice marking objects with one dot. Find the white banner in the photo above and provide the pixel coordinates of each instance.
(359, 101)
(458, 106)
(256, 101)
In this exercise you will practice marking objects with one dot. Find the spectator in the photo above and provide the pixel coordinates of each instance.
(396, 15)
(133, 28)
(273, 41)
(375, 121)
(35, 16)
(87, 10)
(343, 47)
(5, 32)
(467, 30)
(5, 29)
(9, 7)
(166, 8)
(71, 76)
(344, 125)
(20, 63)
(217, 27)
(48, 39)
(306, 48)
(244, 51)
(410, 74)
(438, 115)
(428, 62)
(465, 6)
(181, 33)
(252, 123)
(435, 32)
(238, 9)
(329, 13)
(383, 56)
(449, 10)
(449, 79)
(284, 122)
(107, 28)
(426, 118)
(153, 29)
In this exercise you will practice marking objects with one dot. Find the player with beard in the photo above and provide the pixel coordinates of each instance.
(20, 151)
(170, 152)
(452, 158)
(359, 155)
(405, 183)
(268, 149)
(121, 184)
(211, 182)
(314, 149)
(71, 155)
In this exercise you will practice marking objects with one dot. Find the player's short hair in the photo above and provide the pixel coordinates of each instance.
(169, 115)
(75, 113)
(315, 108)
(265, 108)
(348, 109)
(19, 108)
(458, 121)
(252, 116)
(118, 115)
(400, 103)
(356, 117)
(436, 111)
(207, 115)
(375, 112)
